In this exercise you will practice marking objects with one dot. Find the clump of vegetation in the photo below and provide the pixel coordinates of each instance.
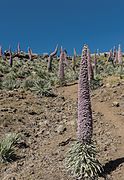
(7, 152)
(82, 162)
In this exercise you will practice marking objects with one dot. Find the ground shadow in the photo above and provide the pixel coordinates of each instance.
(112, 165)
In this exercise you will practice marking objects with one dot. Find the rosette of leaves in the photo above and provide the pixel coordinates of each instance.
(42, 88)
(82, 163)
(10, 82)
(7, 152)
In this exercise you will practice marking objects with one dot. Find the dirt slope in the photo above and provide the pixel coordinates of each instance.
(48, 127)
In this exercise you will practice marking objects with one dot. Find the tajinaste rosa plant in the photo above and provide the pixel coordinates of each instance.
(65, 58)
(81, 160)
(10, 57)
(114, 51)
(119, 55)
(95, 63)
(74, 60)
(1, 51)
(90, 68)
(18, 49)
(50, 58)
(30, 53)
(61, 66)
(120, 60)
(115, 55)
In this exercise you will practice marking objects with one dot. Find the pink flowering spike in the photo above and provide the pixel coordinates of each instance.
(119, 55)
(1, 53)
(61, 66)
(75, 54)
(95, 63)
(95, 59)
(98, 53)
(54, 52)
(65, 57)
(110, 56)
(114, 51)
(85, 121)
(90, 68)
(115, 57)
(30, 53)
(61, 49)
(10, 57)
(50, 58)
(49, 65)
(18, 49)
(74, 60)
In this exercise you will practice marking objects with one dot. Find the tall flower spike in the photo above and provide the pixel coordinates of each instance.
(65, 57)
(75, 54)
(114, 51)
(61, 66)
(10, 57)
(18, 49)
(115, 57)
(90, 68)
(50, 58)
(85, 120)
(95, 63)
(74, 60)
(1, 51)
(119, 54)
(30, 53)
(61, 49)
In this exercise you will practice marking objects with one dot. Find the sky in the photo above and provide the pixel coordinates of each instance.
(41, 24)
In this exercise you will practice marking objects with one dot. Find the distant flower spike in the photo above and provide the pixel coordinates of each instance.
(115, 57)
(119, 55)
(65, 57)
(61, 66)
(95, 63)
(114, 51)
(30, 53)
(18, 49)
(74, 60)
(10, 57)
(1, 51)
(50, 58)
(61, 49)
(90, 68)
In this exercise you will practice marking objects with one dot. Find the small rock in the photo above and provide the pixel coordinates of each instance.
(60, 129)
(107, 85)
(115, 103)
(122, 114)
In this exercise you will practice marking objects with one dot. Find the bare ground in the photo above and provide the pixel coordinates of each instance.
(48, 128)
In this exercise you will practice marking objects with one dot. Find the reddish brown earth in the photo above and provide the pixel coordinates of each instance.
(48, 128)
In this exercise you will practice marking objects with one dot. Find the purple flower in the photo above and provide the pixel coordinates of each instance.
(1, 51)
(18, 49)
(50, 58)
(65, 57)
(74, 59)
(95, 63)
(10, 57)
(30, 53)
(61, 66)
(90, 68)
(119, 54)
(85, 120)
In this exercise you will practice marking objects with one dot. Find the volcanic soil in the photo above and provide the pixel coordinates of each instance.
(48, 128)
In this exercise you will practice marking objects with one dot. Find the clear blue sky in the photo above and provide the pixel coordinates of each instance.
(41, 24)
